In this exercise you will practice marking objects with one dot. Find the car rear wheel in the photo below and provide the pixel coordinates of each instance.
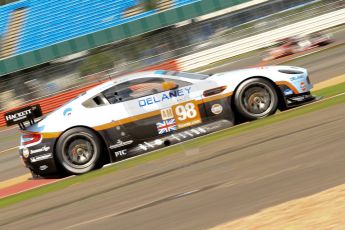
(78, 150)
(256, 98)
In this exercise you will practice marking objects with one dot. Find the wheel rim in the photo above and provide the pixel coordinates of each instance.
(258, 100)
(79, 151)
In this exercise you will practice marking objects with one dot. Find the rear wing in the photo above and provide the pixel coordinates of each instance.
(22, 115)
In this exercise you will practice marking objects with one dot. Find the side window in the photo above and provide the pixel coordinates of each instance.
(97, 100)
(179, 83)
(117, 94)
(145, 89)
(138, 88)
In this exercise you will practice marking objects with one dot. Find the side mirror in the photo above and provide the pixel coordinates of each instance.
(169, 85)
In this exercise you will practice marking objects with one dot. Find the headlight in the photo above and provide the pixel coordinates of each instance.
(290, 71)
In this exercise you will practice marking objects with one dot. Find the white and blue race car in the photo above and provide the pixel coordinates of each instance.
(145, 111)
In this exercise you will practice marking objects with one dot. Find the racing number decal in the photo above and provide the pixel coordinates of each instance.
(186, 114)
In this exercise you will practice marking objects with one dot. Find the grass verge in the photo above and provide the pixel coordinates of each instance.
(326, 93)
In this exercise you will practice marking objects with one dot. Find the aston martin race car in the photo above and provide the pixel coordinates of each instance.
(145, 111)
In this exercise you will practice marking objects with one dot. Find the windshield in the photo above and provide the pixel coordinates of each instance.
(196, 76)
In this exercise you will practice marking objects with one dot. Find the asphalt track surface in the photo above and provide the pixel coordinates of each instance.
(201, 187)
(322, 66)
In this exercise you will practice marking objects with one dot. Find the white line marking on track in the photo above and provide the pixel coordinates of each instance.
(129, 209)
(6, 150)
(5, 130)
(187, 193)
(109, 215)
(92, 221)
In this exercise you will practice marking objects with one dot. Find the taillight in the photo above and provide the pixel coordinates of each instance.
(30, 138)
(214, 91)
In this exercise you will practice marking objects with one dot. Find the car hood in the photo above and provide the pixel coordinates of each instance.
(258, 71)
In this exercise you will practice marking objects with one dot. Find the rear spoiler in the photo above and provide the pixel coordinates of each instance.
(22, 115)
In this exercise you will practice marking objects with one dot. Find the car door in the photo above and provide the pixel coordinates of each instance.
(142, 101)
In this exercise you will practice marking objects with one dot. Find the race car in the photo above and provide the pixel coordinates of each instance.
(141, 112)
(319, 39)
(292, 45)
(282, 48)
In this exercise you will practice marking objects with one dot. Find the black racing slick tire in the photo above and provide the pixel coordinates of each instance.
(78, 150)
(256, 98)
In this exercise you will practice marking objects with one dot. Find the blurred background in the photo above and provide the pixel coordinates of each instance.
(45, 47)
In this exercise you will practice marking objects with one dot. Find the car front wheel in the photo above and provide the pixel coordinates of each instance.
(256, 98)
(78, 150)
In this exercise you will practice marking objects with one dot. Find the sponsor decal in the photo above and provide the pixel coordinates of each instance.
(186, 114)
(167, 114)
(166, 126)
(303, 88)
(179, 137)
(67, 112)
(288, 92)
(158, 142)
(175, 137)
(182, 135)
(43, 149)
(41, 157)
(146, 145)
(18, 116)
(195, 131)
(189, 133)
(216, 109)
(143, 147)
(121, 143)
(121, 153)
(26, 152)
(22, 115)
(165, 96)
(43, 167)
(296, 78)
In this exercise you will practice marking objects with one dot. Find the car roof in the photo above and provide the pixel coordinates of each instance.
(108, 84)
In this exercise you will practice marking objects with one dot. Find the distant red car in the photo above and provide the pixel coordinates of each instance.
(292, 45)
